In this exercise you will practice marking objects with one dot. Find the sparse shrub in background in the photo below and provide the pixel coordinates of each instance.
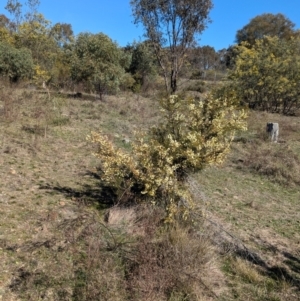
(197, 74)
(198, 86)
(276, 161)
(127, 83)
(213, 75)
(192, 135)
(208, 75)
(40, 75)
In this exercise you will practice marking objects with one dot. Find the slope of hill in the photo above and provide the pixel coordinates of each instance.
(59, 241)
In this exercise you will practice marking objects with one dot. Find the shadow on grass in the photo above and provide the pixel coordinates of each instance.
(289, 273)
(97, 194)
(293, 262)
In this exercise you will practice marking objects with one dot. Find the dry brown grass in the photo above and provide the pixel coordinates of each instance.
(9, 109)
(254, 197)
(280, 161)
(54, 241)
(57, 241)
(250, 283)
(169, 265)
(85, 259)
(79, 261)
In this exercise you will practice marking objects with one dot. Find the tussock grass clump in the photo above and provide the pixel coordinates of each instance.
(278, 162)
(192, 135)
(60, 120)
(170, 267)
(198, 86)
(168, 263)
(33, 129)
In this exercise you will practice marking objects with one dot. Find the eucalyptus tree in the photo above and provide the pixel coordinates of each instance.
(203, 59)
(172, 27)
(35, 35)
(62, 33)
(266, 25)
(30, 29)
(4, 21)
(21, 14)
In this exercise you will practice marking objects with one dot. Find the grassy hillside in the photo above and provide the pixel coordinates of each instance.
(60, 238)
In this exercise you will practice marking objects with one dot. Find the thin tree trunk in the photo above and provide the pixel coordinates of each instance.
(173, 81)
(166, 82)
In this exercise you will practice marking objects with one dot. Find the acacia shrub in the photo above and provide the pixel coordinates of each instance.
(267, 76)
(192, 135)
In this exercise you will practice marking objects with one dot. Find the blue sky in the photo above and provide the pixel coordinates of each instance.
(113, 17)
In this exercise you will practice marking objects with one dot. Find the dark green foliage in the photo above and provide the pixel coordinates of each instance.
(229, 56)
(97, 62)
(143, 63)
(204, 58)
(15, 63)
